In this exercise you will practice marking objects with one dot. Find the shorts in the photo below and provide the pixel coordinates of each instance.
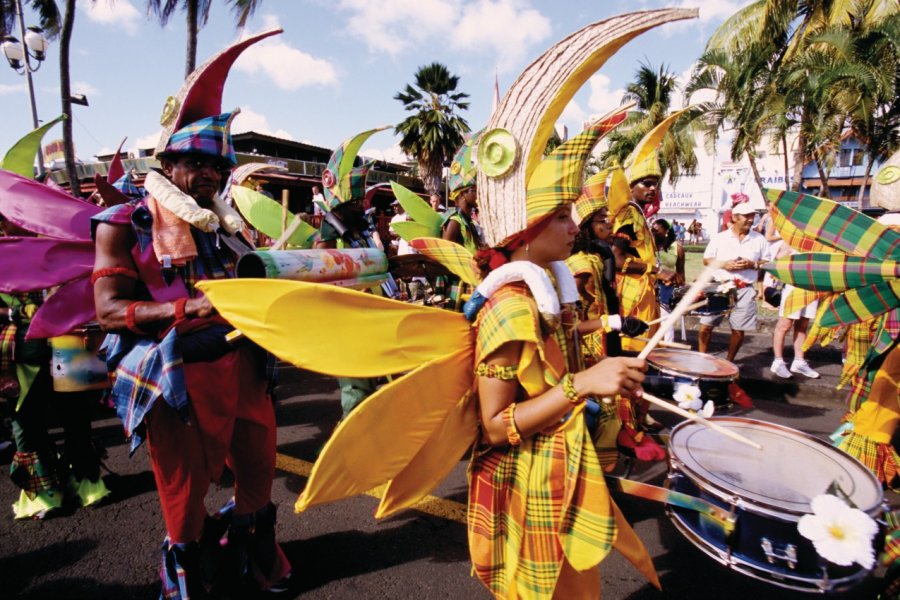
(807, 312)
(743, 316)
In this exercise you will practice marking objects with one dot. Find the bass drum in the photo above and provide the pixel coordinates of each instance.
(766, 492)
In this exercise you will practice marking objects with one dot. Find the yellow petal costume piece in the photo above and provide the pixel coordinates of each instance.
(456, 258)
(644, 160)
(298, 322)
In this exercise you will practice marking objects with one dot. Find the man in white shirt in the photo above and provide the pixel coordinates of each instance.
(741, 251)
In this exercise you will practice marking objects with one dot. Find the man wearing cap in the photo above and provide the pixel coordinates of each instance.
(200, 401)
(741, 251)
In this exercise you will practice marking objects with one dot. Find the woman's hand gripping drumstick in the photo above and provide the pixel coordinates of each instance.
(694, 417)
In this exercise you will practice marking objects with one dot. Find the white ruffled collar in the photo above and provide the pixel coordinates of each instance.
(186, 208)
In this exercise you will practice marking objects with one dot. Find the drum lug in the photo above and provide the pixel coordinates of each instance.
(788, 555)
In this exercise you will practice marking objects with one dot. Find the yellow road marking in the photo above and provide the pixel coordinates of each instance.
(432, 505)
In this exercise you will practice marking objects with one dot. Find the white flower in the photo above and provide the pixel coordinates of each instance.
(840, 534)
(726, 286)
(708, 409)
(688, 396)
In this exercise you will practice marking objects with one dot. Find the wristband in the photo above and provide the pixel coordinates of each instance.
(509, 419)
(111, 271)
(179, 310)
(129, 319)
(568, 387)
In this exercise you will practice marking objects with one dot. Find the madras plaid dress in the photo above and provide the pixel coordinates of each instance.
(594, 303)
(535, 506)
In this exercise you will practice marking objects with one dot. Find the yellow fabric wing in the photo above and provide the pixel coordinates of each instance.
(438, 456)
(300, 322)
(384, 433)
(454, 257)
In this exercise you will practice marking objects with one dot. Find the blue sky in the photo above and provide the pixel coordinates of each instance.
(335, 69)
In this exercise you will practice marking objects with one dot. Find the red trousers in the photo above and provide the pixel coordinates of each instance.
(232, 422)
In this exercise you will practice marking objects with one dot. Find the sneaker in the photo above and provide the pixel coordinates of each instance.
(802, 367)
(779, 368)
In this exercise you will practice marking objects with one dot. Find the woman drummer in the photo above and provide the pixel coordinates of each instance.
(534, 457)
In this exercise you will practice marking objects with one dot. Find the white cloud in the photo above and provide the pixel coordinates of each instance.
(250, 120)
(679, 100)
(573, 118)
(392, 154)
(503, 28)
(147, 141)
(392, 26)
(711, 11)
(602, 98)
(122, 14)
(11, 88)
(287, 67)
(83, 87)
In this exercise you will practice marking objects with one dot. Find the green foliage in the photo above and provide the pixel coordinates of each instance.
(434, 130)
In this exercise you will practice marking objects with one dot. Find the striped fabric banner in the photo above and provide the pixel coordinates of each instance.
(829, 272)
(862, 304)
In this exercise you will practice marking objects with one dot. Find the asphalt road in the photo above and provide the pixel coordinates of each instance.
(339, 550)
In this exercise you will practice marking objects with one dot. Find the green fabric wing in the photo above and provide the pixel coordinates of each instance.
(265, 214)
(20, 158)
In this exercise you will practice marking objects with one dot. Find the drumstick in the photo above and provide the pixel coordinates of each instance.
(705, 277)
(700, 304)
(695, 417)
(286, 235)
(665, 344)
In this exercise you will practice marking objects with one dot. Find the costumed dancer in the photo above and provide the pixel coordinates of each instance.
(38, 468)
(346, 225)
(458, 225)
(200, 402)
(515, 386)
(670, 255)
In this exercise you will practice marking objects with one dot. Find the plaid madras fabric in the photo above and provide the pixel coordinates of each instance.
(837, 226)
(558, 178)
(8, 349)
(881, 459)
(145, 371)
(462, 172)
(533, 505)
(211, 261)
(592, 198)
(594, 303)
(210, 136)
(453, 256)
(30, 474)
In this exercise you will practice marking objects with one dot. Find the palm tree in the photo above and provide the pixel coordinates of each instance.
(652, 91)
(434, 131)
(197, 14)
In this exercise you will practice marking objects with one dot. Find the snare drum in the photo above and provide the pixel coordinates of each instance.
(717, 303)
(766, 493)
(74, 363)
(669, 367)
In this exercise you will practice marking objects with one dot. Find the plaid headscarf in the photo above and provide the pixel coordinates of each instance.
(463, 173)
(592, 198)
(341, 181)
(210, 136)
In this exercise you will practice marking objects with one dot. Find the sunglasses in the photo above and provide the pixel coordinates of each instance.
(649, 182)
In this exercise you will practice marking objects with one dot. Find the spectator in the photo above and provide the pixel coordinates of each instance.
(799, 322)
(670, 254)
(400, 215)
(318, 201)
(741, 251)
(436, 204)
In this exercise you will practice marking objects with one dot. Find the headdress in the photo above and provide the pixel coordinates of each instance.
(341, 181)
(513, 143)
(592, 198)
(886, 187)
(644, 159)
(193, 121)
(463, 172)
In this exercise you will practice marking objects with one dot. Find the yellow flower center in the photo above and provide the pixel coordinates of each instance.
(836, 531)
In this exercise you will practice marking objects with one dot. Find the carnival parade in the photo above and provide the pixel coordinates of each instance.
(235, 365)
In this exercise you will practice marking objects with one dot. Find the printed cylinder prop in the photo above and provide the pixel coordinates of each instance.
(357, 268)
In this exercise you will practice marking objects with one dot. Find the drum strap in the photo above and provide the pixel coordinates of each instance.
(666, 496)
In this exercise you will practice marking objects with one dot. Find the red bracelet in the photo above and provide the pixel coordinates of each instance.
(110, 271)
(180, 315)
(129, 319)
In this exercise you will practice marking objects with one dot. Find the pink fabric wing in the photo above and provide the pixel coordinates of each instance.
(43, 210)
(30, 264)
(71, 306)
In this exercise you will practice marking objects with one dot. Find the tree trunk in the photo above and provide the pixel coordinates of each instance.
(862, 188)
(431, 174)
(191, 61)
(824, 192)
(751, 156)
(787, 168)
(65, 91)
(799, 163)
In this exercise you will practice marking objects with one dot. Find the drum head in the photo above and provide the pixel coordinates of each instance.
(786, 475)
(689, 363)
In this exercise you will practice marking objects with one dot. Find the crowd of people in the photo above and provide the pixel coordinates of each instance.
(558, 280)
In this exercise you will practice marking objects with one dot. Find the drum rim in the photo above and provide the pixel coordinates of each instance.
(751, 504)
(671, 371)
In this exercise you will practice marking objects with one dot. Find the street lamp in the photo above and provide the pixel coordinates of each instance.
(19, 55)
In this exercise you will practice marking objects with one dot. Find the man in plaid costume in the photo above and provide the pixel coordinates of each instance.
(200, 402)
